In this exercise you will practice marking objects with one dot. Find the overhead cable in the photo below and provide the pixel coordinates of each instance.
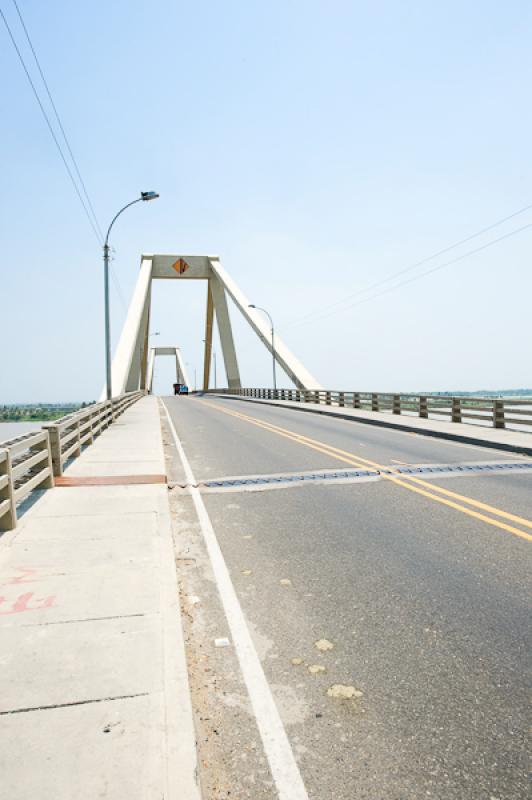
(58, 118)
(424, 274)
(87, 203)
(313, 314)
(50, 128)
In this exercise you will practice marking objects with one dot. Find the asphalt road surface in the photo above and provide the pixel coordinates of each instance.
(390, 610)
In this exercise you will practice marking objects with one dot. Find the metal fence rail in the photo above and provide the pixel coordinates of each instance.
(496, 412)
(30, 461)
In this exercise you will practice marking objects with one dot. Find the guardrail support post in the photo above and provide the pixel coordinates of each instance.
(423, 408)
(498, 414)
(397, 404)
(341, 399)
(327, 398)
(91, 431)
(456, 410)
(8, 520)
(55, 448)
(356, 399)
(374, 401)
(49, 482)
(78, 450)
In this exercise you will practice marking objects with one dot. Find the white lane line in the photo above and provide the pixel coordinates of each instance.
(283, 765)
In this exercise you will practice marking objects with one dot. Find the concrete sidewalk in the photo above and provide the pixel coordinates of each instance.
(95, 698)
(478, 435)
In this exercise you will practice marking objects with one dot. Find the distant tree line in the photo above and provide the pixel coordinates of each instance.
(486, 393)
(39, 412)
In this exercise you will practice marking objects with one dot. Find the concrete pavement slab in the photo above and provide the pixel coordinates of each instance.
(121, 737)
(90, 527)
(51, 665)
(42, 597)
(88, 501)
(55, 553)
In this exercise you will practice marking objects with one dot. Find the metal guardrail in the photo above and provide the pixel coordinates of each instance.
(496, 412)
(32, 460)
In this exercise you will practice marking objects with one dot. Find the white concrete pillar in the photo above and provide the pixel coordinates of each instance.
(226, 333)
(297, 373)
(126, 361)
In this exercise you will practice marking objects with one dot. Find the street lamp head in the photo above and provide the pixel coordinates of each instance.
(251, 305)
(149, 195)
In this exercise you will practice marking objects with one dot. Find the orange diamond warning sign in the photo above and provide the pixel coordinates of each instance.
(180, 266)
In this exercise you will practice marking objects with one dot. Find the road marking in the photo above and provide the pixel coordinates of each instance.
(432, 487)
(404, 480)
(283, 765)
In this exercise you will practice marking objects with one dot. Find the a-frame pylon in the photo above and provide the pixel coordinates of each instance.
(130, 364)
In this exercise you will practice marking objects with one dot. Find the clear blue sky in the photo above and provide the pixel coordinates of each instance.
(316, 146)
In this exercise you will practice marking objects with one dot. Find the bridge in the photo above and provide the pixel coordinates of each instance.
(279, 592)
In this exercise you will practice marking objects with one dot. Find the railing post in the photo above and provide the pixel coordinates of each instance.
(374, 401)
(90, 430)
(8, 518)
(456, 410)
(49, 482)
(327, 398)
(498, 414)
(341, 399)
(55, 447)
(78, 450)
(423, 408)
(397, 404)
(356, 399)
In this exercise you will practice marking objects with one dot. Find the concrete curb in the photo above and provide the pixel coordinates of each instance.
(383, 423)
(181, 777)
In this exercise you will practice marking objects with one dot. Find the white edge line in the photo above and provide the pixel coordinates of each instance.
(283, 765)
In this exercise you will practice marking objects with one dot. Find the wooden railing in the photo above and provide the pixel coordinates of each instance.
(30, 461)
(496, 412)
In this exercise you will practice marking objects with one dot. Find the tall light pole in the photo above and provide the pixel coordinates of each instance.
(258, 308)
(144, 196)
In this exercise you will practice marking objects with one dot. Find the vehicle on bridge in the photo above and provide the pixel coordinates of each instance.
(180, 388)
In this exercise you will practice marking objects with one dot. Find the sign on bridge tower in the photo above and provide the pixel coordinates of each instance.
(130, 364)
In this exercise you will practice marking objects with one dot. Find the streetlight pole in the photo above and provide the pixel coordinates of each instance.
(144, 196)
(258, 308)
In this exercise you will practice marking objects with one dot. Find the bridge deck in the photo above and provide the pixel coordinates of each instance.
(95, 698)
(517, 441)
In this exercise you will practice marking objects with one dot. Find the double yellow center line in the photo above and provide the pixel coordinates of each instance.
(466, 505)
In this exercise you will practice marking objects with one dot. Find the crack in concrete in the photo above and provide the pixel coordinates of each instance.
(73, 703)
